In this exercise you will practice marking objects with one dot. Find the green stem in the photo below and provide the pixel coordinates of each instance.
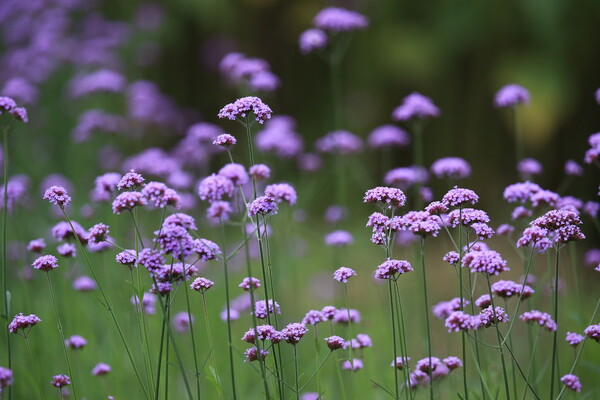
(296, 372)
(194, 350)
(210, 343)
(555, 334)
(160, 354)
(35, 368)
(5, 294)
(529, 368)
(500, 342)
(422, 248)
(225, 268)
(350, 339)
(396, 387)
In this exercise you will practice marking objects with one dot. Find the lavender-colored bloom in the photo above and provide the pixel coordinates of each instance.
(529, 167)
(451, 167)
(180, 219)
(294, 332)
(148, 303)
(405, 177)
(98, 233)
(20, 114)
(574, 338)
(57, 195)
(482, 231)
(466, 216)
(505, 230)
(591, 208)
(268, 332)
(339, 239)
(460, 321)
(363, 341)
(572, 168)
(236, 173)
(593, 332)
(520, 212)
(99, 81)
(490, 316)
(84, 284)
(511, 95)
(443, 309)
(207, 250)
(386, 136)
(97, 121)
(340, 142)
(329, 312)
(335, 342)
(6, 378)
(508, 289)
(420, 223)
(67, 250)
(105, 185)
(279, 137)
(20, 89)
(131, 180)
(150, 259)
(313, 317)
(219, 210)
(45, 263)
(337, 20)
(309, 162)
(451, 257)
(428, 363)
(263, 205)
(36, 245)
(352, 365)
(342, 274)
(436, 208)
(160, 195)
(483, 301)
(488, 261)
(201, 284)
(175, 240)
(249, 283)
(60, 381)
(260, 172)
(534, 235)
(101, 369)
(400, 362)
(127, 257)
(282, 192)
(243, 106)
(520, 192)
(215, 187)
(265, 81)
(452, 362)
(252, 354)
(75, 342)
(127, 201)
(341, 316)
(181, 322)
(392, 269)
(569, 203)
(6, 104)
(63, 231)
(571, 382)
(458, 197)
(23, 322)
(225, 140)
(415, 105)
(312, 39)
(390, 197)
(260, 308)
(592, 257)
(544, 197)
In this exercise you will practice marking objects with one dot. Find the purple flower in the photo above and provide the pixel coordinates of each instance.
(451, 167)
(309, 162)
(312, 39)
(405, 177)
(529, 167)
(201, 284)
(483, 301)
(573, 169)
(45, 263)
(352, 365)
(63, 231)
(415, 105)
(443, 309)
(6, 378)
(131, 180)
(467, 216)
(263, 205)
(260, 172)
(225, 140)
(84, 284)
(57, 195)
(593, 332)
(335, 342)
(279, 137)
(6, 104)
(340, 142)
(20, 114)
(386, 136)
(342, 274)
(420, 223)
(574, 338)
(436, 208)
(219, 210)
(400, 362)
(339, 239)
(458, 197)
(181, 219)
(76, 342)
(127, 200)
(508, 289)
(215, 187)
(150, 259)
(260, 308)
(60, 381)
(452, 362)
(392, 269)
(329, 312)
(428, 363)
(244, 106)
(23, 322)
(175, 240)
(490, 316)
(101, 369)
(591, 208)
(572, 382)
(460, 321)
(67, 250)
(249, 283)
(341, 316)
(20, 89)
(337, 20)
(544, 197)
(126, 257)
(252, 354)
(592, 257)
(160, 195)
(390, 197)
(313, 317)
(520, 192)
(148, 303)
(294, 332)
(98, 233)
(236, 173)
(36, 245)
(488, 261)
(451, 257)
(182, 322)
(95, 82)
(105, 185)
(505, 230)
(282, 192)
(511, 95)
(206, 249)
(536, 236)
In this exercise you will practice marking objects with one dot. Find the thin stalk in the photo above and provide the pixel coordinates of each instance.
(317, 347)
(396, 387)
(225, 268)
(316, 373)
(5, 294)
(477, 356)
(194, 350)
(462, 303)
(160, 354)
(62, 335)
(403, 346)
(167, 318)
(422, 248)
(519, 151)
(296, 372)
(210, 342)
(340, 379)
(500, 342)
(555, 334)
(529, 368)
(513, 369)
(350, 346)
(35, 368)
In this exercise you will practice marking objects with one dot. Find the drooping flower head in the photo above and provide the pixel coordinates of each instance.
(337, 20)
(572, 382)
(57, 195)
(242, 107)
(415, 105)
(511, 95)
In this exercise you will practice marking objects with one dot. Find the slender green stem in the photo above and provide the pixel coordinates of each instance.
(230, 346)
(340, 379)
(529, 368)
(462, 303)
(350, 339)
(210, 343)
(403, 346)
(36, 373)
(316, 373)
(317, 347)
(396, 387)
(62, 335)
(167, 317)
(160, 355)
(5, 295)
(296, 372)
(519, 151)
(194, 349)
(513, 366)
(429, 372)
(500, 342)
(555, 334)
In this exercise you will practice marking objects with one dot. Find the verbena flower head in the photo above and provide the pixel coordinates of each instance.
(460, 321)
(544, 198)
(458, 197)
(342, 274)
(520, 192)
(511, 95)
(574, 338)
(312, 39)
(443, 309)
(282, 192)
(67, 250)
(452, 362)
(126, 257)
(252, 354)
(60, 381)
(415, 105)
(529, 167)
(75, 342)
(98, 233)
(483, 301)
(335, 342)
(279, 137)
(219, 210)
(45, 263)
(400, 362)
(6, 378)
(436, 208)
(242, 107)
(387, 136)
(451, 257)
(467, 216)
(313, 317)
(101, 369)
(571, 382)
(57, 195)
(385, 196)
(150, 259)
(337, 20)
(181, 219)
(341, 316)
(127, 201)
(261, 309)
(131, 180)
(249, 283)
(260, 172)
(294, 332)
(84, 284)
(263, 205)
(36, 245)
(104, 186)
(392, 269)
(329, 312)
(175, 240)
(487, 261)
(20, 114)
(201, 284)
(490, 316)
(451, 167)
(206, 249)
(160, 195)
(405, 177)
(505, 230)
(6, 104)
(420, 223)
(236, 173)
(339, 239)
(339, 142)
(181, 322)
(572, 168)
(427, 363)
(508, 289)
(215, 187)
(593, 332)
(352, 365)
(63, 231)
(22, 323)
(225, 140)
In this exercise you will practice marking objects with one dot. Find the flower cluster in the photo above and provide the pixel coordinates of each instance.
(541, 318)
(242, 107)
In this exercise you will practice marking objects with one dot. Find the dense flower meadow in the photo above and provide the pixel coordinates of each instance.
(234, 260)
